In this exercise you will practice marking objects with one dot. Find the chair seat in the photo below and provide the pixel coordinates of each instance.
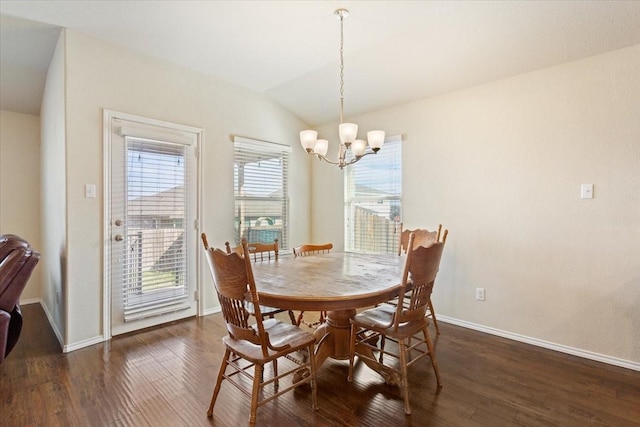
(280, 334)
(379, 318)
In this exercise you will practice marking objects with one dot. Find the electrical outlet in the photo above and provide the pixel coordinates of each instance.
(586, 191)
(480, 294)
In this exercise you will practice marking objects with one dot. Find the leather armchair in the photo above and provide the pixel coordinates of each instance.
(17, 261)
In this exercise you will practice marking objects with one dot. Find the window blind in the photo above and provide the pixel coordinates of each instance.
(155, 264)
(261, 191)
(373, 200)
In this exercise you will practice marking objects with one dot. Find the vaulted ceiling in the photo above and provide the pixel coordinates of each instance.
(395, 51)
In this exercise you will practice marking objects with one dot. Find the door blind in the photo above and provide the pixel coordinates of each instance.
(155, 264)
(261, 191)
(373, 200)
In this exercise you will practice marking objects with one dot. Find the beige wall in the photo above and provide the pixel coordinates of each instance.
(500, 165)
(20, 184)
(102, 76)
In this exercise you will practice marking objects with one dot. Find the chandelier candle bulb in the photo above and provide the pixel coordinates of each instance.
(358, 147)
(308, 139)
(321, 148)
(376, 139)
(348, 133)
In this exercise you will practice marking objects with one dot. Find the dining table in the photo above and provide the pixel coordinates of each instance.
(339, 283)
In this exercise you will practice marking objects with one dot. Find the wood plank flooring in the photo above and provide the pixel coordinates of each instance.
(164, 377)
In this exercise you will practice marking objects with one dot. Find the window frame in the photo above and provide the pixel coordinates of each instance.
(245, 148)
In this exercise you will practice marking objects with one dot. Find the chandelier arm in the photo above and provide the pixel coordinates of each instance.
(321, 157)
(341, 160)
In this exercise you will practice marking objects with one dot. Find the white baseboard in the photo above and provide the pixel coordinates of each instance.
(211, 311)
(544, 344)
(498, 332)
(84, 343)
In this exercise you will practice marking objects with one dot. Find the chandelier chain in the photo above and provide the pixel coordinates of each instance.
(341, 68)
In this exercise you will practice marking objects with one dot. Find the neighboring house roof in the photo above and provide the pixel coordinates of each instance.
(169, 203)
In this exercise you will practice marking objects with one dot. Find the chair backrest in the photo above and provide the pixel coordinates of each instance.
(17, 262)
(308, 249)
(258, 251)
(235, 285)
(423, 237)
(420, 270)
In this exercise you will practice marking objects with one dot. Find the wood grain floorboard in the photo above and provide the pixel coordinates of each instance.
(164, 376)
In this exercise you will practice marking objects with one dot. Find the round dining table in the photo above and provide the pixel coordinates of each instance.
(338, 283)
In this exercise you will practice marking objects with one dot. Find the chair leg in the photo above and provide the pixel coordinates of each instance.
(293, 319)
(432, 355)
(216, 390)
(433, 315)
(352, 351)
(314, 383)
(299, 319)
(382, 342)
(255, 394)
(404, 381)
(276, 383)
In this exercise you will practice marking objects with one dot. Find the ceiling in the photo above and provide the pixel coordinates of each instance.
(395, 51)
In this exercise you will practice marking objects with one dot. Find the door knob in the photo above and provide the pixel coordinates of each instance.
(118, 222)
(119, 238)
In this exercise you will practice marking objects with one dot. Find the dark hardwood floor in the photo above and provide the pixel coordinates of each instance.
(164, 377)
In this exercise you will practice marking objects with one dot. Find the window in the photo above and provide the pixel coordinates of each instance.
(261, 191)
(155, 273)
(373, 200)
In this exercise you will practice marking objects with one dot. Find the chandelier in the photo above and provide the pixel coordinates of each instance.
(348, 131)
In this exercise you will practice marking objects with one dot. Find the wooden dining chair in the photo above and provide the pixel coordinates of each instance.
(261, 252)
(248, 348)
(310, 250)
(424, 237)
(404, 324)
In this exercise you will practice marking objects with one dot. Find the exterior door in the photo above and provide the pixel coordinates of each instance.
(152, 221)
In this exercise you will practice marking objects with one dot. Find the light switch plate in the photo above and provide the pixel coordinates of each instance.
(586, 191)
(90, 191)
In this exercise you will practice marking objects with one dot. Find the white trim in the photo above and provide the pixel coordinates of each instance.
(259, 144)
(30, 301)
(393, 138)
(200, 218)
(106, 203)
(179, 132)
(209, 311)
(82, 344)
(610, 360)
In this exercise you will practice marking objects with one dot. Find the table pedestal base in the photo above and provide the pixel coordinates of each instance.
(333, 340)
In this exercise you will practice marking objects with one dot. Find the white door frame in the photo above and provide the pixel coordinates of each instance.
(108, 116)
